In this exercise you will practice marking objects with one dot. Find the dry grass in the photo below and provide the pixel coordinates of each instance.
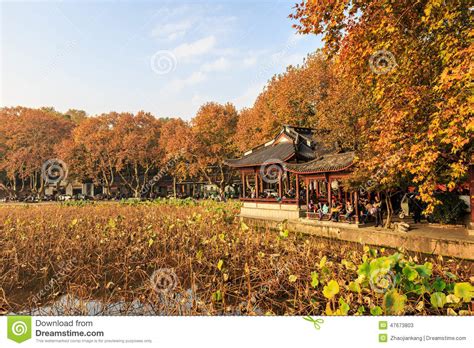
(107, 252)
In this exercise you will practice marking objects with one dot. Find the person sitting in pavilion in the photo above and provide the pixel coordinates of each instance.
(349, 211)
(323, 210)
(335, 210)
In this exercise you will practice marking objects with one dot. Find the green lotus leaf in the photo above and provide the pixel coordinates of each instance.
(438, 299)
(354, 287)
(314, 279)
(424, 270)
(376, 310)
(343, 307)
(331, 290)
(439, 284)
(394, 303)
(464, 291)
(410, 273)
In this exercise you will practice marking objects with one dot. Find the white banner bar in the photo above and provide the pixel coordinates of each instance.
(236, 331)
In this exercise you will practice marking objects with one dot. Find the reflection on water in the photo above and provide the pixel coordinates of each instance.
(177, 304)
(165, 304)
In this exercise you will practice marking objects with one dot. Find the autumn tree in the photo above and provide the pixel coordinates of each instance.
(92, 153)
(413, 59)
(76, 116)
(175, 142)
(288, 98)
(136, 139)
(28, 139)
(212, 142)
(308, 95)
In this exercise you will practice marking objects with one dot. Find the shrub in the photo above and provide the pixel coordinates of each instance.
(451, 209)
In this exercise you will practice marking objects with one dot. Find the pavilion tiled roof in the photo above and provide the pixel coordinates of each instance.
(266, 154)
(327, 163)
(299, 144)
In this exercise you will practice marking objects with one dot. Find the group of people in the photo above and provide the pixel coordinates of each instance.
(334, 212)
(368, 209)
(371, 209)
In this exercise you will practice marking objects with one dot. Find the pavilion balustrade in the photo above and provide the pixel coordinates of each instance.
(326, 189)
(300, 189)
(278, 188)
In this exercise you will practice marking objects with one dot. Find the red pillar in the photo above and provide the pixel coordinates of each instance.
(298, 190)
(329, 193)
(306, 181)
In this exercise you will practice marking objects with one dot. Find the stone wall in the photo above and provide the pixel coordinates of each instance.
(383, 238)
(275, 211)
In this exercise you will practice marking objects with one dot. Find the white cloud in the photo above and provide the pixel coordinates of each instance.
(195, 48)
(195, 78)
(250, 61)
(198, 99)
(220, 64)
(172, 31)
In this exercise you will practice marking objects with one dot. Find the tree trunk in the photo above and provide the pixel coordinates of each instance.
(388, 203)
(174, 186)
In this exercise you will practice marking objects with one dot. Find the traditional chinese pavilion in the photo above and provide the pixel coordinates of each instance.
(281, 177)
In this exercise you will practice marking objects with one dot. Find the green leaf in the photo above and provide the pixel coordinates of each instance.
(343, 307)
(314, 279)
(439, 284)
(111, 224)
(410, 273)
(331, 290)
(464, 291)
(220, 264)
(451, 275)
(364, 269)
(217, 296)
(425, 270)
(354, 287)
(376, 310)
(292, 278)
(361, 310)
(394, 303)
(284, 233)
(243, 226)
(322, 262)
(150, 242)
(349, 265)
(438, 299)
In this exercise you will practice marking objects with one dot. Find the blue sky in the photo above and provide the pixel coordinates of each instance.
(164, 57)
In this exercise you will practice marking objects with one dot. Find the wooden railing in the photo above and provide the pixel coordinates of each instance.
(271, 200)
